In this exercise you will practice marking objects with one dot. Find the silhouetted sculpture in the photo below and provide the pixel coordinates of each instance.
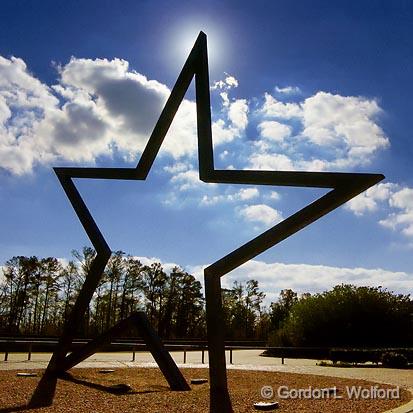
(344, 187)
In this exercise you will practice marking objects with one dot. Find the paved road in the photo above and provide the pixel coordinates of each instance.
(242, 359)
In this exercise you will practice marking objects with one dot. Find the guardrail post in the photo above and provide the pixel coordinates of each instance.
(203, 356)
(134, 355)
(282, 360)
(230, 356)
(6, 355)
(29, 355)
(184, 355)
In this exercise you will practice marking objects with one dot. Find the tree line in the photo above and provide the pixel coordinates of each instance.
(37, 294)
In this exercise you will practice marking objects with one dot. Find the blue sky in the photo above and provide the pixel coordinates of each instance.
(295, 85)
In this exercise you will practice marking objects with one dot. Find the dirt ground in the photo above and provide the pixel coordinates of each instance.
(87, 390)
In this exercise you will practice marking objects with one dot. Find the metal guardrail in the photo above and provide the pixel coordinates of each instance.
(117, 340)
(135, 346)
(28, 345)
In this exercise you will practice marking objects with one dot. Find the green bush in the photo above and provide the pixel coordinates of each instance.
(348, 316)
(394, 360)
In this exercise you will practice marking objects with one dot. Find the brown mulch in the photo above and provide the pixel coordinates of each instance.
(86, 391)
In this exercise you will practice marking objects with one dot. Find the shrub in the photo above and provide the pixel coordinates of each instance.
(348, 316)
(394, 360)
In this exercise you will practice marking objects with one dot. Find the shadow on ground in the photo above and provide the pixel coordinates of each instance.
(48, 386)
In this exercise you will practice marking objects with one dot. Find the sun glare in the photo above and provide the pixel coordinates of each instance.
(183, 38)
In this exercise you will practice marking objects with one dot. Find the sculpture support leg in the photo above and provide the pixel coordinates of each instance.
(220, 401)
(44, 393)
(162, 357)
(92, 347)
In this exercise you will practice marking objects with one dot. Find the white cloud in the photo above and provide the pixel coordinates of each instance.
(274, 108)
(167, 266)
(274, 277)
(234, 123)
(177, 167)
(340, 132)
(288, 90)
(118, 92)
(223, 154)
(237, 113)
(181, 139)
(103, 103)
(234, 114)
(402, 199)
(231, 81)
(112, 104)
(334, 120)
(187, 179)
(260, 213)
(20, 89)
(271, 162)
(392, 199)
(223, 133)
(225, 99)
(361, 204)
(317, 278)
(228, 83)
(208, 200)
(248, 193)
(368, 200)
(400, 221)
(274, 130)
(130, 105)
(104, 106)
(24, 102)
(274, 195)
(242, 195)
(402, 216)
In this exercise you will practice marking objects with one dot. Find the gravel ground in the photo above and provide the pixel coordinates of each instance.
(87, 392)
(243, 359)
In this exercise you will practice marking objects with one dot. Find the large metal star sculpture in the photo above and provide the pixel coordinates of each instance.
(344, 186)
